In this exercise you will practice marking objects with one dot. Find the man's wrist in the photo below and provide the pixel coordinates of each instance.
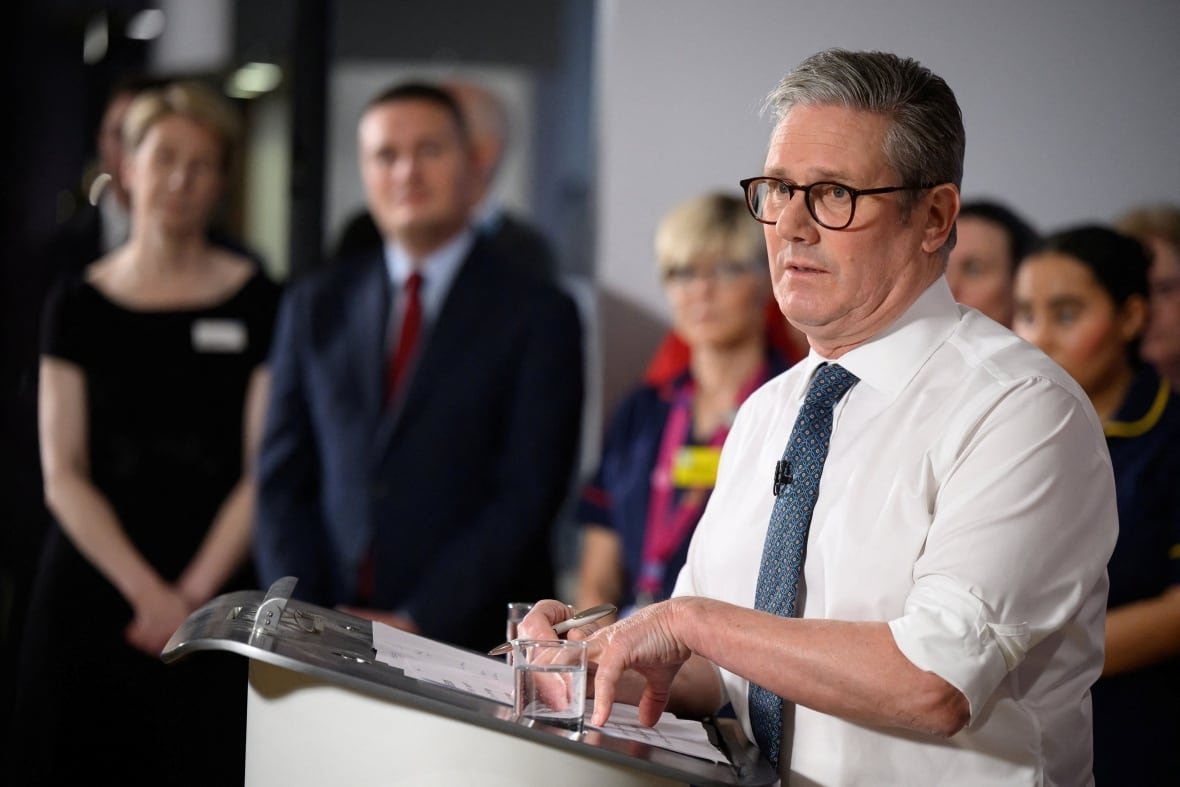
(689, 619)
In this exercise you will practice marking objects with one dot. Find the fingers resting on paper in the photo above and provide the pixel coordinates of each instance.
(647, 643)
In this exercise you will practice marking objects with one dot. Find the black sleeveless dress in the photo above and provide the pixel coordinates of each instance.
(165, 392)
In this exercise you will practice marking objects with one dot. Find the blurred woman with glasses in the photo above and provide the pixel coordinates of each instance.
(661, 450)
(1083, 299)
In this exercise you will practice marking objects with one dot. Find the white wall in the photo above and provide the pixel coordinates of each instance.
(1071, 106)
(267, 189)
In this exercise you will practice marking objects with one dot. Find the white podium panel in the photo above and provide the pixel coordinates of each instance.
(303, 731)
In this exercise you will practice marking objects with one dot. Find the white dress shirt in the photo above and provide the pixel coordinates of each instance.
(968, 500)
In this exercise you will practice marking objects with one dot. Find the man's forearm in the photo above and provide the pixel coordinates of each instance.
(851, 670)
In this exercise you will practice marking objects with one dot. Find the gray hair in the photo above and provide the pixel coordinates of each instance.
(926, 141)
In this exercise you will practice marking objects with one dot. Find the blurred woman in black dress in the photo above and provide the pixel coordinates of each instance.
(152, 387)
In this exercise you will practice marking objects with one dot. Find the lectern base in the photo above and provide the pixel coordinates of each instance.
(304, 731)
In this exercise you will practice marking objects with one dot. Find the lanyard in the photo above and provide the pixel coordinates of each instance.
(670, 521)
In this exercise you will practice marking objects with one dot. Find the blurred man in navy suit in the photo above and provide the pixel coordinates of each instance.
(426, 402)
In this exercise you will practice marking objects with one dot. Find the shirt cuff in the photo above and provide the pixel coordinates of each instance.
(945, 631)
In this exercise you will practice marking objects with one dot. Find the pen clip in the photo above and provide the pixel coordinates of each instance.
(585, 616)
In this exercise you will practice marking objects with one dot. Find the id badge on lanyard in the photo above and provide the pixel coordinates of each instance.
(695, 466)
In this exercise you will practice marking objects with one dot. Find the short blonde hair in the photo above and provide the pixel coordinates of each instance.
(1153, 221)
(712, 225)
(192, 100)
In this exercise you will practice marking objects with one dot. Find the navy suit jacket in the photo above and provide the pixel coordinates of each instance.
(457, 491)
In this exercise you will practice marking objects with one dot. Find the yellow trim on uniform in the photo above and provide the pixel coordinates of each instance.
(1144, 424)
(1174, 552)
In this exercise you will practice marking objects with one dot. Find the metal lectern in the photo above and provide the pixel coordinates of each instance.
(322, 710)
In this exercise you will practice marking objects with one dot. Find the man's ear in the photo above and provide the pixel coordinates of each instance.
(941, 208)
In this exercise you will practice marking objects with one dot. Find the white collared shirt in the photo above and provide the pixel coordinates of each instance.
(968, 500)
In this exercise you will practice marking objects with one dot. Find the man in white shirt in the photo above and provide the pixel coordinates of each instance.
(949, 619)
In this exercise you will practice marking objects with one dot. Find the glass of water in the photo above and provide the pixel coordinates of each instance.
(516, 612)
(549, 678)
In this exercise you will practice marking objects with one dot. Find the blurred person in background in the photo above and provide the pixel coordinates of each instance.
(982, 265)
(661, 452)
(153, 383)
(1158, 228)
(487, 117)
(93, 229)
(426, 405)
(102, 221)
(517, 241)
(1082, 297)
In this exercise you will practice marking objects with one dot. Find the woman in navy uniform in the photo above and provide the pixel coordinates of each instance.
(1083, 299)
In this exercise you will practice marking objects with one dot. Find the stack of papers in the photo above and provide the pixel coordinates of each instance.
(435, 662)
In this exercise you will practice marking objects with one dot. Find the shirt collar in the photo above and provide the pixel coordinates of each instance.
(488, 215)
(438, 268)
(888, 361)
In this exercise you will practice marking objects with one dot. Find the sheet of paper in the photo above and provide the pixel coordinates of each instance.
(436, 662)
(680, 735)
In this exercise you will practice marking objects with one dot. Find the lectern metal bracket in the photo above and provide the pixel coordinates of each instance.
(270, 611)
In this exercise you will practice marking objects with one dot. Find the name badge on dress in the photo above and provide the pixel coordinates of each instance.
(219, 336)
(696, 467)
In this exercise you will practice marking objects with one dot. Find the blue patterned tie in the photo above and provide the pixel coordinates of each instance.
(786, 538)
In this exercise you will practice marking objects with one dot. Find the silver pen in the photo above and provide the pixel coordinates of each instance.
(578, 619)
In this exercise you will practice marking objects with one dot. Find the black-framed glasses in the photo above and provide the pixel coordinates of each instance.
(831, 204)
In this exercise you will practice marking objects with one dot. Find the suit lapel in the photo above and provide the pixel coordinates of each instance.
(451, 331)
(367, 313)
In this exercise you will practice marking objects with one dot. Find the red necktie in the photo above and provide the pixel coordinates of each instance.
(407, 337)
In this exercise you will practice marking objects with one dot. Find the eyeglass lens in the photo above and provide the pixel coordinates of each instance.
(830, 204)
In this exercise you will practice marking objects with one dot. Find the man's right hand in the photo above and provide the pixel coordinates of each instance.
(648, 643)
(634, 660)
(544, 615)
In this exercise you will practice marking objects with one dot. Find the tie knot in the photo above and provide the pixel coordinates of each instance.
(831, 381)
(414, 283)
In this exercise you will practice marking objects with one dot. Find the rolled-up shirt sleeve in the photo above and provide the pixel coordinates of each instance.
(1023, 525)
